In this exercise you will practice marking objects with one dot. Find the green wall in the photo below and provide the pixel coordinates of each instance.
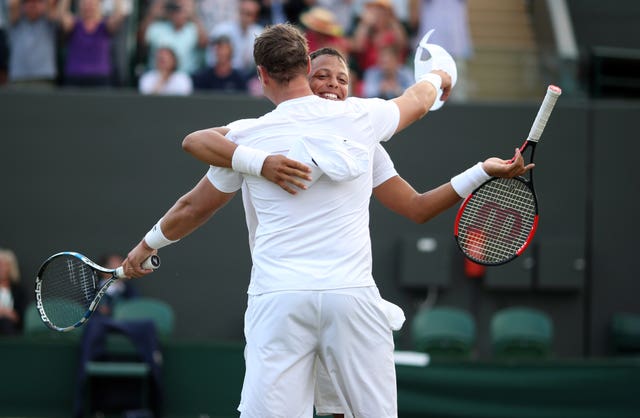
(92, 172)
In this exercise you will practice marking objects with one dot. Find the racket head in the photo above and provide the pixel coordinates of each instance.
(68, 289)
(497, 222)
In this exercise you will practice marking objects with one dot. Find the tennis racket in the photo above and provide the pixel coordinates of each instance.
(497, 222)
(69, 288)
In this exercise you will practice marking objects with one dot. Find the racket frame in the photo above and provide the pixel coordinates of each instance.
(116, 274)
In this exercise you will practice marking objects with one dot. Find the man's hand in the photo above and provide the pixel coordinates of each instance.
(496, 167)
(285, 172)
(132, 265)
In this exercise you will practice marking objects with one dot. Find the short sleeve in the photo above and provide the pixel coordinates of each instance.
(384, 116)
(383, 168)
(225, 179)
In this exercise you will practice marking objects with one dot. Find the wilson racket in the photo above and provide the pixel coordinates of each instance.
(496, 222)
(69, 288)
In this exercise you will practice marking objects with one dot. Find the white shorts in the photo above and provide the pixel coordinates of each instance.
(346, 330)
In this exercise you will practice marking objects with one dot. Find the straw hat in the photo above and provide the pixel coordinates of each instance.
(385, 4)
(321, 20)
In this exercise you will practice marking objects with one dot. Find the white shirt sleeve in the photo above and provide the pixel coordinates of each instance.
(384, 116)
(225, 179)
(383, 168)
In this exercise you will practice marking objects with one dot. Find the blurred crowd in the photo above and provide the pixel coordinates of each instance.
(177, 47)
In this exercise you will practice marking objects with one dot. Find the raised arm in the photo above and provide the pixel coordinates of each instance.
(416, 101)
(212, 147)
(190, 212)
(114, 21)
(65, 16)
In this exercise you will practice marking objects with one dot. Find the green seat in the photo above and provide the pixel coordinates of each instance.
(161, 313)
(521, 333)
(625, 333)
(445, 333)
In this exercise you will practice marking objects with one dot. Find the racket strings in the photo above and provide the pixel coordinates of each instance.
(68, 288)
(497, 221)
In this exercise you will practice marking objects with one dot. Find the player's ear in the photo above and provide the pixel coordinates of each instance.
(262, 74)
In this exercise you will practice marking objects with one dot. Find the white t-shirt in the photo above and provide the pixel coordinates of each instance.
(178, 84)
(319, 238)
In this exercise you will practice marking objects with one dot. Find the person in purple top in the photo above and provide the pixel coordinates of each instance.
(88, 42)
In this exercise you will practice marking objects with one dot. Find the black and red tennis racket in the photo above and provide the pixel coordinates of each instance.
(497, 222)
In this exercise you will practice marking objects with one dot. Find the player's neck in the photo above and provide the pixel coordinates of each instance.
(298, 87)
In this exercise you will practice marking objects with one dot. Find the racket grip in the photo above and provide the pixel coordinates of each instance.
(553, 92)
(152, 262)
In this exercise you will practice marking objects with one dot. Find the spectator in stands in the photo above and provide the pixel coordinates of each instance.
(242, 33)
(4, 51)
(215, 12)
(222, 77)
(119, 290)
(166, 79)
(88, 60)
(323, 30)
(450, 20)
(174, 24)
(378, 27)
(12, 301)
(343, 10)
(389, 78)
(121, 51)
(32, 42)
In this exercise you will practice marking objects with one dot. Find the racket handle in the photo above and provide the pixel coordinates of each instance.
(152, 262)
(553, 92)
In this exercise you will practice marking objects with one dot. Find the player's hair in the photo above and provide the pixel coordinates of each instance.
(282, 51)
(327, 51)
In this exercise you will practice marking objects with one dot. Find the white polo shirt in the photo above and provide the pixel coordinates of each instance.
(319, 238)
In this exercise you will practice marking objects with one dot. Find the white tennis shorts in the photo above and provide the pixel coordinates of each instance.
(345, 330)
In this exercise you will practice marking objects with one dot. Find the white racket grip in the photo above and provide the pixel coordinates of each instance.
(553, 92)
(152, 262)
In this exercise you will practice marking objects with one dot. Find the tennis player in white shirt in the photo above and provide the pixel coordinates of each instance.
(311, 292)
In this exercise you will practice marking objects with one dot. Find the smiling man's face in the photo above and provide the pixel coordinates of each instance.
(329, 77)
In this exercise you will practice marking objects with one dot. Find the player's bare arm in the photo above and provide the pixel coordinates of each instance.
(212, 147)
(190, 212)
(400, 197)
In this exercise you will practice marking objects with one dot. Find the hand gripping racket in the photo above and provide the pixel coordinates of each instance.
(69, 288)
(496, 222)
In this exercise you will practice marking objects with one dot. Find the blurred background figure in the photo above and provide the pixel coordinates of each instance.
(120, 289)
(4, 51)
(166, 79)
(123, 41)
(343, 10)
(221, 77)
(32, 42)
(12, 300)
(215, 12)
(242, 33)
(450, 20)
(388, 78)
(88, 59)
(175, 24)
(377, 28)
(322, 29)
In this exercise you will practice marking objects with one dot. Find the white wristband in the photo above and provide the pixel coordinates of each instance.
(467, 181)
(248, 160)
(156, 239)
(433, 78)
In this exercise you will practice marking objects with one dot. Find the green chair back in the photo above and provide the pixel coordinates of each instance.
(625, 333)
(34, 328)
(161, 313)
(445, 333)
(521, 333)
